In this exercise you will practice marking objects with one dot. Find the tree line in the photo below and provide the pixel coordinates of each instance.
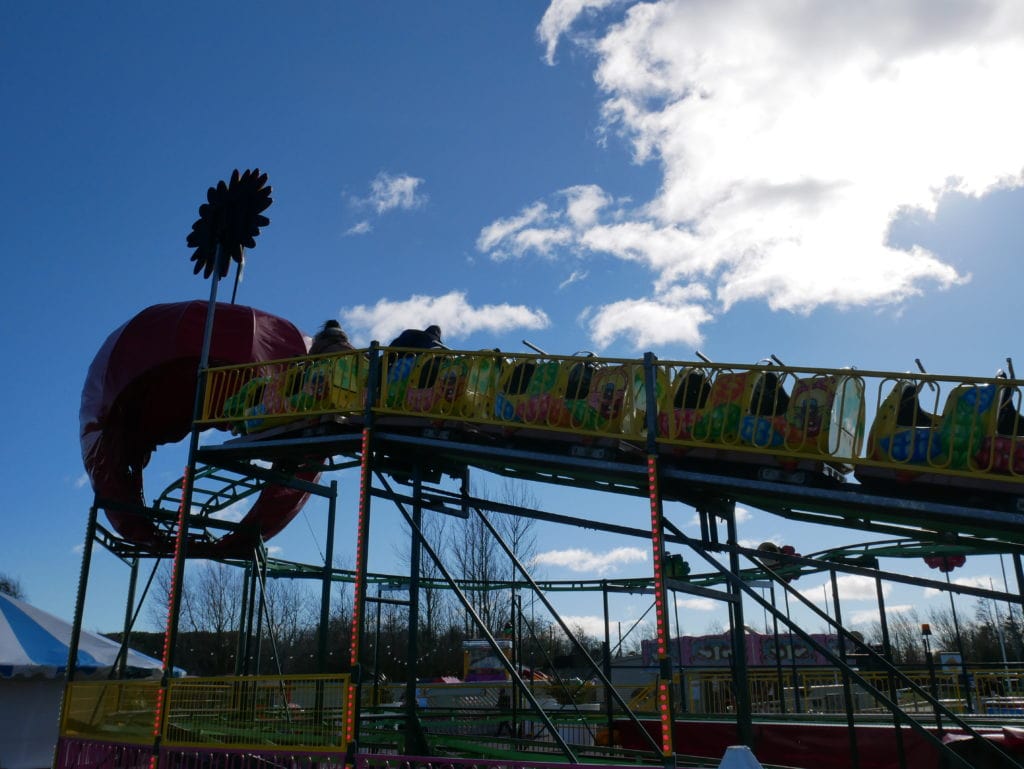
(211, 640)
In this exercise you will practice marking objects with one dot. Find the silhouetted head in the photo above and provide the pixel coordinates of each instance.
(434, 331)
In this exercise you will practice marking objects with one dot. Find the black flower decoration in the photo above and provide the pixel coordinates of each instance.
(231, 217)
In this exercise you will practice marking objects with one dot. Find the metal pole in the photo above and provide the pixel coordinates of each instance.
(181, 539)
(325, 592)
(261, 580)
(678, 649)
(353, 696)
(242, 646)
(744, 716)
(83, 581)
(1018, 571)
(129, 606)
(997, 622)
(965, 678)
(664, 696)
(851, 725)
(1014, 627)
(248, 663)
(607, 666)
(797, 704)
(887, 653)
(415, 742)
(181, 535)
(778, 653)
(514, 620)
(376, 653)
(933, 684)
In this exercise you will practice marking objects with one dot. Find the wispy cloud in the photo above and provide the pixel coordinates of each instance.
(867, 616)
(512, 236)
(233, 513)
(584, 561)
(81, 481)
(388, 192)
(453, 312)
(558, 19)
(788, 138)
(983, 581)
(574, 277)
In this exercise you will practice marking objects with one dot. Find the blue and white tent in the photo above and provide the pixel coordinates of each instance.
(33, 661)
(34, 644)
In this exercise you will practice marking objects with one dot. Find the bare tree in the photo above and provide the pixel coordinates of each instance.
(435, 598)
(475, 554)
(518, 531)
(211, 614)
(483, 563)
(904, 637)
(11, 586)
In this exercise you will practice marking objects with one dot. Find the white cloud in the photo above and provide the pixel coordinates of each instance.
(452, 312)
(584, 203)
(698, 604)
(675, 316)
(233, 513)
(983, 581)
(558, 18)
(496, 233)
(900, 608)
(81, 481)
(867, 616)
(586, 561)
(788, 138)
(864, 617)
(360, 228)
(852, 587)
(593, 626)
(388, 192)
(574, 277)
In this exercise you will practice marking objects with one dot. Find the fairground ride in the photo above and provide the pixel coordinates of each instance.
(940, 479)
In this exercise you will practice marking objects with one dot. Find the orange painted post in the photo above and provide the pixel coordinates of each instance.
(663, 695)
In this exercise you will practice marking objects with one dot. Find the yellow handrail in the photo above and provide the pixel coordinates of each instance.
(789, 417)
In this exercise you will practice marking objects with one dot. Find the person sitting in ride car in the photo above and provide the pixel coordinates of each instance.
(330, 338)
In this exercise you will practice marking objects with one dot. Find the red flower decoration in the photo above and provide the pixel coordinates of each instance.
(945, 563)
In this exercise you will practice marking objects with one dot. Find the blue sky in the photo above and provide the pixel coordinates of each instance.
(834, 184)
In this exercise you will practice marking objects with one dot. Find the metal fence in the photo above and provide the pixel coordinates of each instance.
(821, 691)
(305, 712)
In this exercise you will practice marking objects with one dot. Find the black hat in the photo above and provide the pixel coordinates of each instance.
(434, 331)
(332, 324)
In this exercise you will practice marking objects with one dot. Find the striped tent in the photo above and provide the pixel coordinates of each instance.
(34, 644)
